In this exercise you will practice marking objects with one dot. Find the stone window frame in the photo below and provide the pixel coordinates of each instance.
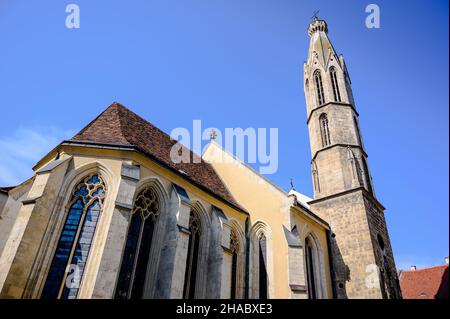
(335, 84)
(56, 223)
(258, 229)
(203, 251)
(158, 234)
(324, 124)
(319, 270)
(240, 280)
(196, 230)
(318, 82)
(155, 217)
(92, 196)
(367, 177)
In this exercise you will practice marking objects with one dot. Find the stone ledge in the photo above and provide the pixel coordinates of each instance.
(124, 206)
(30, 201)
(298, 288)
(353, 190)
(330, 103)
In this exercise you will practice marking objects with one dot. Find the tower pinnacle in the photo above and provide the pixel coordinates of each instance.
(343, 189)
(317, 25)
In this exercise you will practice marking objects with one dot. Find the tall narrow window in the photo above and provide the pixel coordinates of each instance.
(367, 175)
(334, 83)
(234, 247)
(69, 262)
(357, 132)
(133, 271)
(192, 256)
(319, 87)
(348, 86)
(262, 267)
(324, 129)
(310, 269)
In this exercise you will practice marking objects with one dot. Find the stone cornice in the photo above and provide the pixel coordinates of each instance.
(124, 206)
(331, 103)
(340, 145)
(349, 191)
(136, 149)
(298, 288)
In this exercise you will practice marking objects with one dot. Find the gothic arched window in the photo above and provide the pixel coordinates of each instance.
(310, 269)
(69, 262)
(319, 88)
(324, 130)
(192, 256)
(357, 131)
(348, 87)
(234, 248)
(263, 267)
(367, 175)
(334, 83)
(133, 271)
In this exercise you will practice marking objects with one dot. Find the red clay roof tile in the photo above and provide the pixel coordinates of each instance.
(427, 283)
(119, 126)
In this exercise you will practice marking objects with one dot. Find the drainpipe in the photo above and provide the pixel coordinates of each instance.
(330, 261)
(247, 258)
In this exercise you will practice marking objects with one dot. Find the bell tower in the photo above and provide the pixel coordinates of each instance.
(362, 259)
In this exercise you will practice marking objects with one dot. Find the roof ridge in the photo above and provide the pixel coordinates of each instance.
(121, 107)
(115, 106)
(119, 125)
(426, 268)
(248, 167)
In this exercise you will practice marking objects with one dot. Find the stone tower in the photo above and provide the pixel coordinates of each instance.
(362, 259)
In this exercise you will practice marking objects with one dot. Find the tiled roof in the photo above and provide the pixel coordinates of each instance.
(427, 283)
(119, 126)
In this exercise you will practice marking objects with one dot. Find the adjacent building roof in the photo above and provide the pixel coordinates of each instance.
(6, 189)
(427, 283)
(118, 126)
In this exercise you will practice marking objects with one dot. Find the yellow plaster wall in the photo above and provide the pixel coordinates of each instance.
(267, 203)
(301, 220)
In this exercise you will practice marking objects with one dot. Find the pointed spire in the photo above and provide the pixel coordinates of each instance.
(320, 48)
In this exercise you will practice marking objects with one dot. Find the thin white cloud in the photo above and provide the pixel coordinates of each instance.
(23, 148)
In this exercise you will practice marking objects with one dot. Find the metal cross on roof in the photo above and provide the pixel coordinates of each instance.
(314, 17)
(213, 135)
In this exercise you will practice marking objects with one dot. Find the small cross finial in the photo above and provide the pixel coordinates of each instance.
(314, 17)
(292, 184)
(213, 135)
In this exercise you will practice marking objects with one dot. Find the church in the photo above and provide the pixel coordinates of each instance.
(109, 215)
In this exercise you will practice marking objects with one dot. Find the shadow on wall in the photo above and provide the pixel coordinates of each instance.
(339, 270)
(443, 290)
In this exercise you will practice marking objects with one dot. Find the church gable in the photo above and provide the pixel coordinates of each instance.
(118, 126)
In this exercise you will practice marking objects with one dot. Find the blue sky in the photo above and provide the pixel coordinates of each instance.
(238, 63)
